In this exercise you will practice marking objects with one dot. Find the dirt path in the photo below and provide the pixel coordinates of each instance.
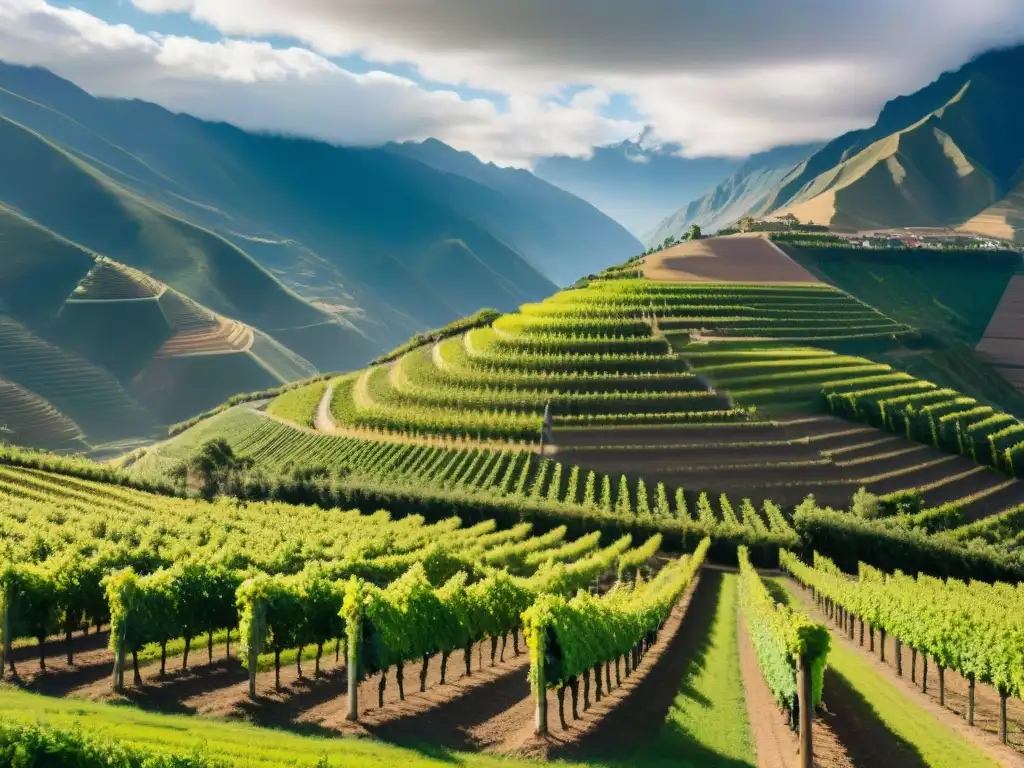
(313, 704)
(631, 714)
(850, 706)
(322, 420)
(774, 743)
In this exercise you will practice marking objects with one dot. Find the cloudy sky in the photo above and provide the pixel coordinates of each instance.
(514, 80)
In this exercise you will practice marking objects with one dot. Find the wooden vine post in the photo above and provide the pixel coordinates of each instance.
(805, 698)
(256, 635)
(352, 672)
(540, 688)
(352, 615)
(5, 626)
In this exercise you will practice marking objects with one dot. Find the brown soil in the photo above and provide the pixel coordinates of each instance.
(775, 745)
(823, 455)
(317, 705)
(953, 714)
(742, 258)
(500, 718)
(1003, 342)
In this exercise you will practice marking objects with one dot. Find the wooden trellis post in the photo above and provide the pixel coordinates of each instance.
(805, 697)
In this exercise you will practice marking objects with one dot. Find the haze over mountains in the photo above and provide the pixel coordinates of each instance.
(301, 255)
(636, 184)
(950, 154)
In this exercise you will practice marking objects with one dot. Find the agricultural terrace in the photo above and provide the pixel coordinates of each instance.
(748, 258)
(578, 498)
(756, 391)
(467, 637)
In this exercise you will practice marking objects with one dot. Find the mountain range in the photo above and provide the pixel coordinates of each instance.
(635, 183)
(139, 236)
(948, 155)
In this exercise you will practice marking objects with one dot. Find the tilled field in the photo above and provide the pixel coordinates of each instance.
(744, 258)
(784, 461)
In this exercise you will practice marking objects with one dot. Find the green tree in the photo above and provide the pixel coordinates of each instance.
(694, 232)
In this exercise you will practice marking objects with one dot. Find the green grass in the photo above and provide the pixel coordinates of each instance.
(945, 293)
(937, 746)
(242, 744)
(299, 405)
(707, 726)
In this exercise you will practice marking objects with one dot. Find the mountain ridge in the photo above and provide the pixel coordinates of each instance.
(294, 254)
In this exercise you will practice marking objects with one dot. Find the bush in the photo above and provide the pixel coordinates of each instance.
(848, 539)
(41, 745)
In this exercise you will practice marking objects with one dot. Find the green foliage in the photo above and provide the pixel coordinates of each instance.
(976, 629)
(781, 636)
(42, 745)
(480, 319)
(299, 404)
(570, 637)
(849, 539)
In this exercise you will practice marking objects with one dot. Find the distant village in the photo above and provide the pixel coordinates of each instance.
(924, 237)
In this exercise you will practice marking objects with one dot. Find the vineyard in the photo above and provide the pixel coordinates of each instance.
(575, 532)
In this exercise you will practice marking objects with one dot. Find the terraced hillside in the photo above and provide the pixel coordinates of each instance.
(728, 396)
(408, 629)
(111, 351)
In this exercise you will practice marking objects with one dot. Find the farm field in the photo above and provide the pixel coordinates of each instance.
(562, 540)
(683, 699)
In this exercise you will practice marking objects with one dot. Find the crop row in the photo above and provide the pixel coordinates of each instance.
(976, 629)
(941, 417)
(451, 365)
(572, 639)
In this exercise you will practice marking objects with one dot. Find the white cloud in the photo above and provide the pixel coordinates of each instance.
(718, 76)
(293, 90)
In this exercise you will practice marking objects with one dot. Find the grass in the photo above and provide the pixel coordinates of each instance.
(299, 405)
(240, 743)
(946, 293)
(919, 729)
(707, 725)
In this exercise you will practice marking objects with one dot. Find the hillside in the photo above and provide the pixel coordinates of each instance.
(741, 192)
(504, 588)
(107, 352)
(559, 234)
(950, 154)
(345, 229)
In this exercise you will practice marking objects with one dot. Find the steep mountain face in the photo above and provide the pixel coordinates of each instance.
(559, 234)
(282, 256)
(636, 185)
(744, 190)
(950, 153)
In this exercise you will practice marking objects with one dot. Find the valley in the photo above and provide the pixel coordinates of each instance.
(327, 455)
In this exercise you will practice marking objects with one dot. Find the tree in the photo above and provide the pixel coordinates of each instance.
(694, 233)
(791, 220)
(745, 224)
(210, 469)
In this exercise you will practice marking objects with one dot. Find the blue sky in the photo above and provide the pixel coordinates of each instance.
(514, 80)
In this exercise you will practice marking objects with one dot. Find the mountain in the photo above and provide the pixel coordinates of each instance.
(742, 191)
(559, 234)
(635, 184)
(953, 152)
(261, 258)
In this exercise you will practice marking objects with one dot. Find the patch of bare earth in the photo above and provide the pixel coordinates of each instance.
(307, 702)
(733, 259)
(1003, 343)
(953, 714)
(775, 744)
